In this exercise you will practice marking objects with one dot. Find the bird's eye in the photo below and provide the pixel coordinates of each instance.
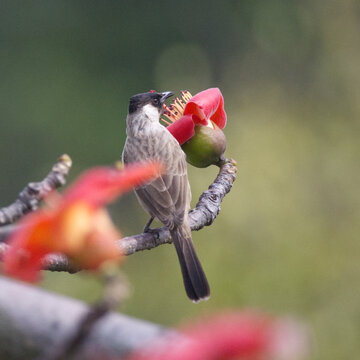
(156, 102)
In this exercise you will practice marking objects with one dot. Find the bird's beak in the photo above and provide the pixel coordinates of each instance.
(166, 95)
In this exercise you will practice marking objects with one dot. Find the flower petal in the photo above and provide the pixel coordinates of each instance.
(235, 335)
(76, 225)
(207, 104)
(219, 116)
(182, 129)
(101, 185)
(98, 243)
(28, 245)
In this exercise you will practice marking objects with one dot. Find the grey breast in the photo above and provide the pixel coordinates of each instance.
(167, 197)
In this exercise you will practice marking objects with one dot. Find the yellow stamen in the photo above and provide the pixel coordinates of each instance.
(186, 95)
(165, 121)
(173, 114)
(175, 110)
(178, 107)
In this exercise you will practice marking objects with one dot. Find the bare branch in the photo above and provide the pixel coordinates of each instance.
(205, 212)
(29, 198)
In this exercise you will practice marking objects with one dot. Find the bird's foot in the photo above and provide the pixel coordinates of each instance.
(147, 226)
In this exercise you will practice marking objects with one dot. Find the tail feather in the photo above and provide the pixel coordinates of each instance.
(196, 284)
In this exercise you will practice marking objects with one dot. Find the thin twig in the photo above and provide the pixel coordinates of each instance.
(30, 197)
(205, 212)
(5, 231)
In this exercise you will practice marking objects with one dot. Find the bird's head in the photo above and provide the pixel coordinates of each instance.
(149, 104)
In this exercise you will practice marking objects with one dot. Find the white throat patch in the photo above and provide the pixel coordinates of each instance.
(151, 112)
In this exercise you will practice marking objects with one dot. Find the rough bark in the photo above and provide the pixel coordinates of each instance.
(30, 197)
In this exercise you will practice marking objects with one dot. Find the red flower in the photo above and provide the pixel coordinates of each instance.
(234, 335)
(196, 123)
(205, 108)
(75, 224)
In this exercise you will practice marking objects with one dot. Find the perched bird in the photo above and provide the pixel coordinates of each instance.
(167, 197)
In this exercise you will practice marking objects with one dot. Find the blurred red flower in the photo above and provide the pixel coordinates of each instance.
(230, 336)
(76, 224)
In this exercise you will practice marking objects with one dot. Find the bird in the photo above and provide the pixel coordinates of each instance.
(168, 197)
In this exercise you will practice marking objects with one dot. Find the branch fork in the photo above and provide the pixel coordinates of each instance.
(204, 214)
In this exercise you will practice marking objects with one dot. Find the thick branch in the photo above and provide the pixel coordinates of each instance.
(116, 290)
(29, 198)
(34, 322)
(205, 212)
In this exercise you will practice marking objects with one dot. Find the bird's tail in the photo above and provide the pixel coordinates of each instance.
(196, 284)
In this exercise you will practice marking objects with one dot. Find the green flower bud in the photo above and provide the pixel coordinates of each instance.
(206, 147)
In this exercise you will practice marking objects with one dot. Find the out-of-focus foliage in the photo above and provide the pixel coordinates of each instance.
(287, 239)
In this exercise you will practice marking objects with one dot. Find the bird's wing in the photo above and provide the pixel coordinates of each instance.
(167, 197)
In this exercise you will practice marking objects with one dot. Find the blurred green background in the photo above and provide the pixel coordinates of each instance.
(286, 240)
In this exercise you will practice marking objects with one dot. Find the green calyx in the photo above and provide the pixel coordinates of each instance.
(206, 147)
